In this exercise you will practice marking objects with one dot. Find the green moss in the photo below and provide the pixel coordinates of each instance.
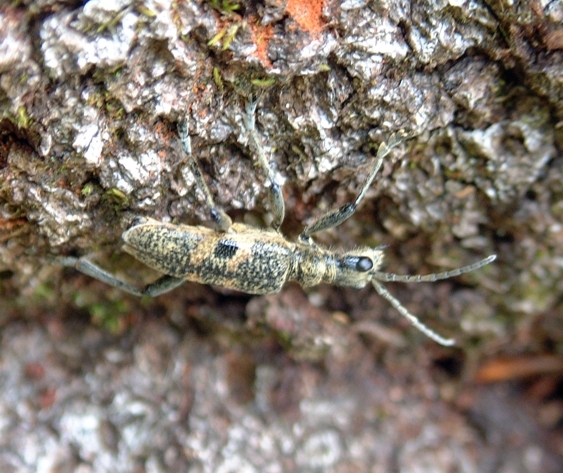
(225, 36)
(44, 292)
(108, 314)
(21, 119)
(217, 78)
(230, 35)
(87, 189)
(110, 25)
(117, 198)
(145, 11)
(24, 119)
(263, 82)
(226, 7)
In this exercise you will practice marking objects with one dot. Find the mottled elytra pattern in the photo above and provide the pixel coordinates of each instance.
(253, 260)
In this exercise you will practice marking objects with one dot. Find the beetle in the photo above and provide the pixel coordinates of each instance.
(255, 260)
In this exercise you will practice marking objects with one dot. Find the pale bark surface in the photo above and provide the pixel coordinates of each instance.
(326, 379)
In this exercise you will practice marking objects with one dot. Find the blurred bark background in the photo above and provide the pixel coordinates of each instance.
(324, 379)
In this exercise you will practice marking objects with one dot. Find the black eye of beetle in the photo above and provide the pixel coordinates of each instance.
(137, 221)
(364, 264)
(358, 263)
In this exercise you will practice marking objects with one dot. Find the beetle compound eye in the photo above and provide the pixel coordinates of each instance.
(137, 221)
(358, 263)
(364, 264)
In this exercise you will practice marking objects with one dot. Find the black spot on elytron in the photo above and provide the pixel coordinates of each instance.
(225, 249)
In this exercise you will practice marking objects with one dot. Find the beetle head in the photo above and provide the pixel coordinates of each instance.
(356, 268)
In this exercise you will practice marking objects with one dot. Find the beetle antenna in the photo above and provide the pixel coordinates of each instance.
(447, 342)
(381, 276)
(435, 276)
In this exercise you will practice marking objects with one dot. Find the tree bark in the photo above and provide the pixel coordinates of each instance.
(90, 95)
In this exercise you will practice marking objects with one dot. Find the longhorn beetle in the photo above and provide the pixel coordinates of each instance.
(254, 260)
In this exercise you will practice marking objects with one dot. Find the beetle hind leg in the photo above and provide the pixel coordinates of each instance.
(160, 286)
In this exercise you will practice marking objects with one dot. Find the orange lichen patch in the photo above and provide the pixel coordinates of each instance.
(262, 36)
(307, 14)
(8, 224)
(9, 228)
(164, 134)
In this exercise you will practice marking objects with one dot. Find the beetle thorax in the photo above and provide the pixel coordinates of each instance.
(312, 265)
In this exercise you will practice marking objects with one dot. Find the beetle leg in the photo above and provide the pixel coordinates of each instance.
(338, 216)
(277, 205)
(160, 286)
(219, 218)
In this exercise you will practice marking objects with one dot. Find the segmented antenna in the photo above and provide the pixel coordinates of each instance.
(383, 292)
(435, 276)
(447, 342)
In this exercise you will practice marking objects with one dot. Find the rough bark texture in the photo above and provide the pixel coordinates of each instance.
(326, 379)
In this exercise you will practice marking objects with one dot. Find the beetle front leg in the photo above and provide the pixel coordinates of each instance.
(218, 217)
(336, 217)
(277, 203)
(160, 286)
